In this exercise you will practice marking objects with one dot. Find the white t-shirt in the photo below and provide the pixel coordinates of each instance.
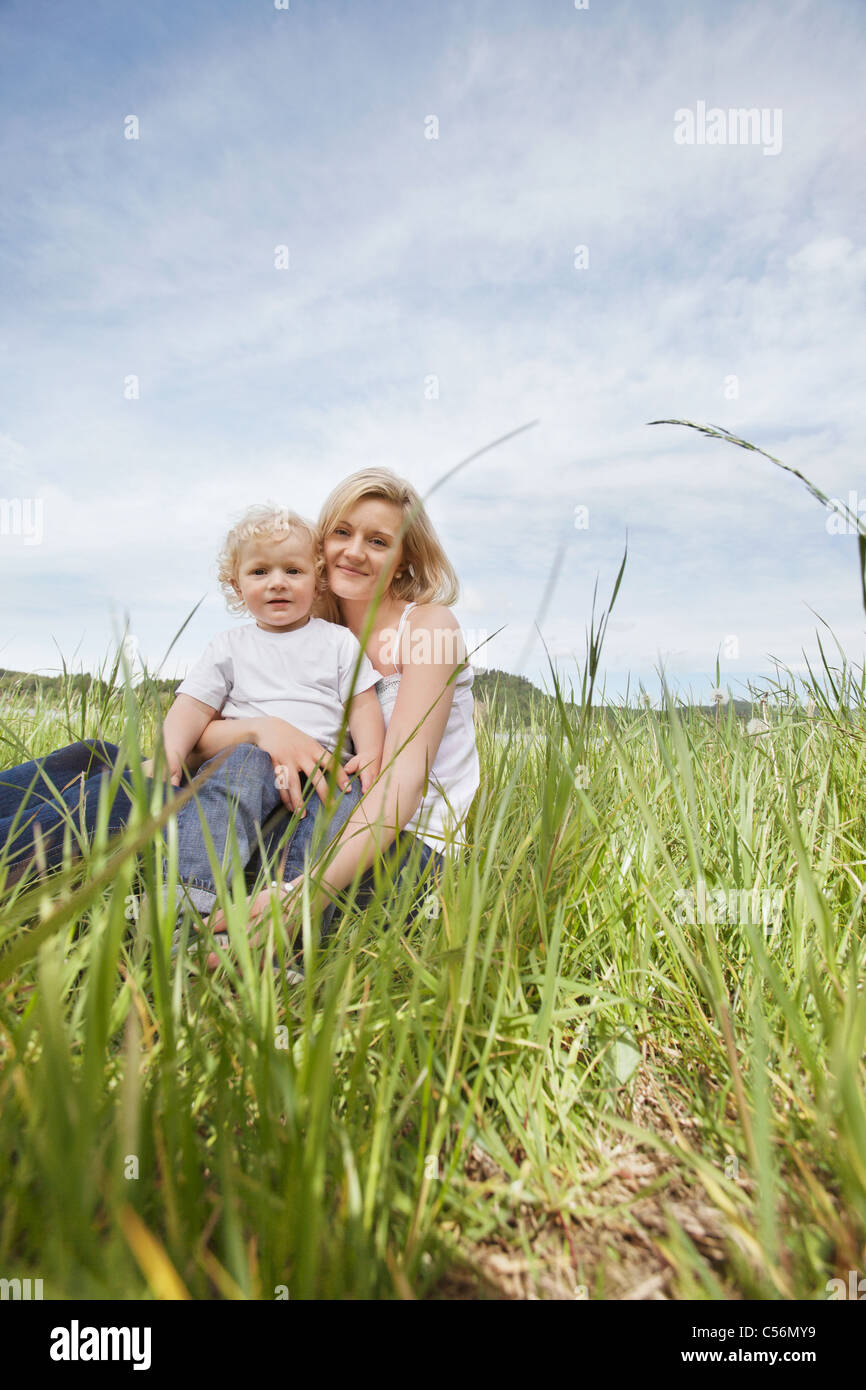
(304, 677)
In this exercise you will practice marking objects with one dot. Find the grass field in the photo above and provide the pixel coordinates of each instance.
(620, 1056)
(566, 1082)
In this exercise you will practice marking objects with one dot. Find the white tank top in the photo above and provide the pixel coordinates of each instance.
(455, 775)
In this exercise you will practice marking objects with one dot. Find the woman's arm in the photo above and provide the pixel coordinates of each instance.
(424, 699)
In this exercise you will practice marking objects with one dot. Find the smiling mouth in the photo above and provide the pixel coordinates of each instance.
(347, 570)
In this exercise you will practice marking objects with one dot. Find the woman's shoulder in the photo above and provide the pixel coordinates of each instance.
(431, 615)
(432, 636)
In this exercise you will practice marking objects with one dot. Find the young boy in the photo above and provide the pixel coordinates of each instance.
(285, 665)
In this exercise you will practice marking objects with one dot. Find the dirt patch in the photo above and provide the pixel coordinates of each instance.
(615, 1238)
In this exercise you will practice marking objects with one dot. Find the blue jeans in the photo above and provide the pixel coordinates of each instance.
(397, 862)
(239, 803)
(31, 810)
(243, 790)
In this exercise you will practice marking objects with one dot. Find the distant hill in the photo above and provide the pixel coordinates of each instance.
(74, 683)
(512, 697)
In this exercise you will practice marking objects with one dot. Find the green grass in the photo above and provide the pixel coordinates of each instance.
(559, 1085)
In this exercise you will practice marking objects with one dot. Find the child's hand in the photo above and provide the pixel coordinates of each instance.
(172, 767)
(293, 752)
(368, 772)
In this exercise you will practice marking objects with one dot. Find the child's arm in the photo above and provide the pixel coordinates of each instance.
(181, 730)
(291, 751)
(367, 727)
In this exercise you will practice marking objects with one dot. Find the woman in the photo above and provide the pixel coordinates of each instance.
(390, 582)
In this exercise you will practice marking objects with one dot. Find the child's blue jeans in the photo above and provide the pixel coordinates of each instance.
(237, 803)
(235, 808)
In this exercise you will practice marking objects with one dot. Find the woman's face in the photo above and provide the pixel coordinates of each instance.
(360, 545)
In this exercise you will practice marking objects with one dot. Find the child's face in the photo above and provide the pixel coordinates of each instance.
(276, 578)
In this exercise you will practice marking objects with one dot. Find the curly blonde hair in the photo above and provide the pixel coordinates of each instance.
(427, 575)
(260, 523)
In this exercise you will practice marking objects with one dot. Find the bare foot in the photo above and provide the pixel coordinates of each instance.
(260, 907)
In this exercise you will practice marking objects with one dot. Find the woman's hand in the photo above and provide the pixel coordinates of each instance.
(293, 752)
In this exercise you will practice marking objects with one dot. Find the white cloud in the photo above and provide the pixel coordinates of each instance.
(453, 258)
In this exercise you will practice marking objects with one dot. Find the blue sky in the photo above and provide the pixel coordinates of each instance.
(454, 258)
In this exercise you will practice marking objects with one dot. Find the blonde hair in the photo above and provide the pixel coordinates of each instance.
(258, 524)
(427, 575)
